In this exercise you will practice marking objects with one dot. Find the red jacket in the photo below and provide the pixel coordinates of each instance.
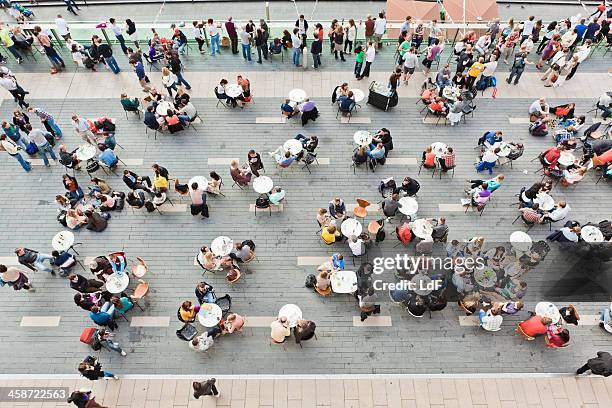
(552, 155)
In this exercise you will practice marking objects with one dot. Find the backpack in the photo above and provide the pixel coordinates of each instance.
(31, 148)
(492, 81)
(50, 138)
(149, 206)
(482, 84)
(61, 218)
(95, 343)
(311, 281)
(187, 332)
(380, 235)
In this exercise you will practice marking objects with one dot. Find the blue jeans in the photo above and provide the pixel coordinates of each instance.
(184, 118)
(111, 63)
(246, 52)
(53, 56)
(39, 263)
(122, 43)
(181, 48)
(110, 345)
(296, 56)
(214, 44)
(42, 152)
(56, 129)
(485, 166)
(108, 374)
(20, 140)
(13, 50)
(21, 161)
(181, 81)
(108, 307)
(481, 315)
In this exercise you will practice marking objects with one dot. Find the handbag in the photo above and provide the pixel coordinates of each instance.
(31, 148)
(187, 332)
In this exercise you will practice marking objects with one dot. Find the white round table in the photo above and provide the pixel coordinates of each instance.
(408, 206)
(485, 277)
(344, 282)
(420, 284)
(520, 241)
(63, 241)
(591, 234)
(201, 180)
(362, 138)
(451, 92)
(117, 283)
(293, 146)
(292, 312)
(439, 148)
(86, 152)
(297, 95)
(222, 246)
(545, 201)
(233, 90)
(567, 158)
(547, 309)
(358, 95)
(422, 228)
(163, 107)
(350, 227)
(210, 314)
(504, 149)
(263, 184)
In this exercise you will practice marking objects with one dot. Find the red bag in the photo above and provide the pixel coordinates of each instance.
(87, 335)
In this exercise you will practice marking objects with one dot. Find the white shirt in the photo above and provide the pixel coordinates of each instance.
(410, 60)
(527, 45)
(245, 38)
(492, 323)
(490, 68)
(8, 83)
(213, 30)
(559, 58)
(483, 42)
(297, 42)
(559, 213)
(10, 147)
(197, 32)
(379, 26)
(62, 26)
(169, 80)
(583, 52)
(352, 33)
(489, 157)
(370, 54)
(116, 29)
(605, 100)
(356, 247)
(80, 125)
(535, 107)
(528, 27)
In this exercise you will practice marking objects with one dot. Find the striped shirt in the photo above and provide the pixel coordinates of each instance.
(530, 215)
(449, 159)
(42, 114)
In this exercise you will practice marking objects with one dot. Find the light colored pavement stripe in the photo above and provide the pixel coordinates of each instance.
(126, 162)
(40, 162)
(517, 121)
(213, 161)
(434, 120)
(588, 320)
(357, 120)
(401, 161)
(176, 208)
(40, 321)
(8, 260)
(323, 161)
(274, 208)
(468, 321)
(150, 321)
(372, 321)
(88, 260)
(311, 260)
(370, 208)
(451, 207)
(271, 120)
(131, 162)
(258, 321)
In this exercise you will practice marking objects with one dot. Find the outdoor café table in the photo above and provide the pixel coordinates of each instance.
(297, 95)
(263, 184)
(85, 152)
(344, 281)
(520, 241)
(547, 309)
(591, 234)
(209, 315)
(362, 138)
(439, 148)
(504, 149)
(451, 92)
(117, 282)
(233, 90)
(351, 226)
(292, 312)
(222, 246)
(408, 206)
(163, 107)
(293, 146)
(200, 180)
(358, 95)
(421, 283)
(63, 241)
(567, 158)
(422, 228)
(545, 201)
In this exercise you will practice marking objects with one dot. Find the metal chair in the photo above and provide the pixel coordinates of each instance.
(140, 293)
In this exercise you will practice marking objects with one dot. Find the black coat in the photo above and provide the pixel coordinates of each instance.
(602, 364)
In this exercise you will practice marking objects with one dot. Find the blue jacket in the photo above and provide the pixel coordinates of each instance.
(101, 318)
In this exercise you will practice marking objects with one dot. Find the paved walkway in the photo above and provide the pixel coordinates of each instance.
(331, 392)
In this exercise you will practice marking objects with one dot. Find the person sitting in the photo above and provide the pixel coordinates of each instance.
(438, 107)
(159, 197)
(360, 156)
(337, 262)
(534, 326)
(488, 161)
(573, 175)
(287, 110)
(160, 182)
(109, 158)
(443, 78)
(136, 199)
(122, 304)
(429, 158)
(69, 160)
(539, 108)
(409, 186)
(440, 231)
(285, 160)
(404, 233)
(173, 122)
(605, 319)
(95, 221)
(279, 330)
(330, 234)
(565, 234)
(337, 208)
(489, 139)
(242, 252)
(309, 144)
(233, 322)
(323, 218)
(531, 215)
(277, 195)
(130, 105)
(346, 103)
(309, 111)
(275, 47)
(323, 285)
(416, 306)
(481, 196)
(383, 136)
(214, 183)
(570, 314)
(376, 152)
(221, 93)
(103, 316)
(136, 182)
(356, 245)
(205, 293)
(550, 157)
(556, 337)
(447, 161)
(64, 260)
(75, 219)
(84, 285)
(150, 119)
(242, 176)
(491, 320)
(390, 205)
(187, 112)
(188, 312)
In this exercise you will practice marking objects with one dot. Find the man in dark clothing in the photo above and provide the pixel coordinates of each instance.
(150, 119)
(136, 182)
(600, 365)
(205, 388)
(176, 68)
(100, 267)
(106, 52)
(64, 260)
(83, 285)
(390, 205)
(409, 186)
(95, 222)
(230, 28)
(162, 171)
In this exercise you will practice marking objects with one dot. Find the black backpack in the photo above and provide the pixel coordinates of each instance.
(311, 281)
(149, 206)
(187, 332)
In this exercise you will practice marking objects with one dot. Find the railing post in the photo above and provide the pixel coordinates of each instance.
(106, 37)
(57, 38)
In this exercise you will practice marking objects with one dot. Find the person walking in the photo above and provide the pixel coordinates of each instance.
(118, 31)
(15, 278)
(600, 365)
(176, 66)
(91, 369)
(130, 29)
(9, 83)
(69, 5)
(141, 75)
(232, 33)
(34, 260)
(62, 27)
(13, 150)
(106, 52)
(40, 139)
(205, 388)
(168, 80)
(48, 121)
(8, 42)
(370, 55)
(103, 338)
(57, 63)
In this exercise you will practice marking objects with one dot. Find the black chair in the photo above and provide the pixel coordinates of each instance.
(135, 111)
(308, 160)
(93, 165)
(450, 168)
(221, 99)
(262, 203)
(225, 303)
(433, 169)
(147, 127)
(152, 62)
(346, 112)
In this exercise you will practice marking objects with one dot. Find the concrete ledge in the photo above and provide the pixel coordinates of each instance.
(9, 260)
(258, 321)
(212, 161)
(311, 260)
(150, 321)
(271, 120)
(40, 321)
(469, 321)
(372, 321)
(356, 120)
(401, 161)
(434, 120)
(176, 208)
(274, 208)
(323, 161)
(588, 320)
(517, 121)
(451, 207)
